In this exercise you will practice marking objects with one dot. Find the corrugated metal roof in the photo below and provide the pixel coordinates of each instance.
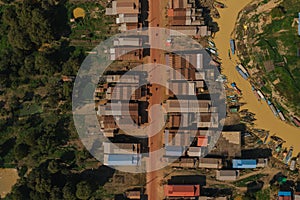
(243, 163)
(182, 190)
(122, 159)
(174, 150)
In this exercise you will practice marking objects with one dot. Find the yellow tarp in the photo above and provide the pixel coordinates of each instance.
(78, 12)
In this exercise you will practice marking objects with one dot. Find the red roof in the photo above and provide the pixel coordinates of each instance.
(285, 198)
(170, 12)
(182, 190)
(202, 141)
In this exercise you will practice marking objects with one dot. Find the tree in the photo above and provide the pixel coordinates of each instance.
(53, 166)
(69, 191)
(21, 151)
(83, 190)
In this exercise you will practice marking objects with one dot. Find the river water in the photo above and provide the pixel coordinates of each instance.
(265, 118)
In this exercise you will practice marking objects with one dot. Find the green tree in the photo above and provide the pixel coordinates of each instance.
(21, 151)
(69, 191)
(83, 190)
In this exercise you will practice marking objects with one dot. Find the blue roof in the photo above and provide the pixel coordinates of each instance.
(124, 159)
(174, 150)
(243, 164)
(284, 193)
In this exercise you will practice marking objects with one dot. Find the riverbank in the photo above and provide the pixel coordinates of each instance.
(8, 178)
(264, 116)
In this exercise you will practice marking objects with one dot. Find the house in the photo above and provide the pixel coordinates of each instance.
(183, 120)
(244, 164)
(177, 138)
(126, 53)
(227, 175)
(174, 151)
(128, 78)
(202, 141)
(128, 41)
(124, 92)
(108, 122)
(296, 195)
(133, 195)
(262, 162)
(208, 120)
(123, 7)
(210, 163)
(194, 151)
(188, 105)
(193, 59)
(193, 31)
(185, 163)
(181, 88)
(284, 195)
(127, 12)
(122, 159)
(182, 190)
(121, 148)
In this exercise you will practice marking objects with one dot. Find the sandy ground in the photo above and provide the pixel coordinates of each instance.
(265, 118)
(8, 177)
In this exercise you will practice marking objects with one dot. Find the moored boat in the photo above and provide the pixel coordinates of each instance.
(281, 115)
(244, 75)
(255, 92)
(261, 95)
(272, 107)
(232, 46)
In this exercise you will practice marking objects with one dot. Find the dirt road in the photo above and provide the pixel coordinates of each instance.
(154, 189)
(265, 118)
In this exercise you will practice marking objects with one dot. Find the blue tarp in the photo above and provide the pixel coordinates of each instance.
(285, 193)
(124, 159)
(243, 164)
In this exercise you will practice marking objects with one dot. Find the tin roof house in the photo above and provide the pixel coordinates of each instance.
(243, 164)
(182, 190)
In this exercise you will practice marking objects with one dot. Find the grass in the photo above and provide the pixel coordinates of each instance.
(246, 181)
(30, 109)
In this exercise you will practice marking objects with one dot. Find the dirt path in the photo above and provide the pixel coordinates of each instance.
(265, 118)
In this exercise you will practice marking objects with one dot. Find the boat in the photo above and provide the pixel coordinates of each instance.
(244, 75)
(255, 92)
(219, 4)
(212, 51)
(244, 70)
(281, 115)
(261, 95)
(289, 155)
(272, 107)
(232, 46)
(211, 44)
(296, 121)
(234, 86)
(266, 138)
